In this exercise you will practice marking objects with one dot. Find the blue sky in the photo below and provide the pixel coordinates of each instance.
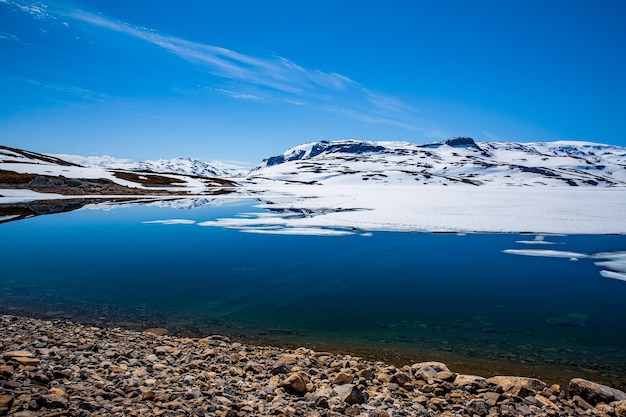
(243, 80)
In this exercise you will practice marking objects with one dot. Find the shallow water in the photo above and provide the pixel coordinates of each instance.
(409, 292)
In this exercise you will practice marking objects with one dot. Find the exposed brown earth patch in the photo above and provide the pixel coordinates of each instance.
(148, 179)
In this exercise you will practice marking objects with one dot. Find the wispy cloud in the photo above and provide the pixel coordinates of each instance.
(256, 78)
(9, 36)
(70, 90)
(35, 9)
(236, 94)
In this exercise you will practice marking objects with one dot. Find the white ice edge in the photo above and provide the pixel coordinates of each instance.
(170, 221)
(9, 196)
(613, 275)
(305, 231)
(3, 218)
(536, 242)
(546, 253)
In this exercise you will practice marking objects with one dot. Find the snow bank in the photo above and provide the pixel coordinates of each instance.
(432, 208)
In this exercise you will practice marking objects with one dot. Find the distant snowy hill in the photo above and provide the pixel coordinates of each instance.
(184, 166)
(454, 161)
(23, 173)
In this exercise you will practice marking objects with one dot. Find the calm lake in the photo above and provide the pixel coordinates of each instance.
(456, 298)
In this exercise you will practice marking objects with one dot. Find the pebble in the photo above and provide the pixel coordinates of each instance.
(95, 372)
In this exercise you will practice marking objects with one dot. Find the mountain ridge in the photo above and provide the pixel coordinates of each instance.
(180, 165)
(455, 160)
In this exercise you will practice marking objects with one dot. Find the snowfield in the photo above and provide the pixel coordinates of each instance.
(352, 186)
(436, 208)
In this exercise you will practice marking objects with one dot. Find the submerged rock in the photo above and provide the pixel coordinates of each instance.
(569, 320)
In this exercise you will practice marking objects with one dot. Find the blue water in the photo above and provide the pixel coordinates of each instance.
(407, 291)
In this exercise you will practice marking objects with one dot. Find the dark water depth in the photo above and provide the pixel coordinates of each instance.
(406, 292)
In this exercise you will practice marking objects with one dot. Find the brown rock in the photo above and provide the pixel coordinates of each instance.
(58, 391)
(518, 385)
(25, 360)
(620, 408)
(157, 331)
(6, 371)
(6, 402)
(491, 398)
(378, 413)
(546, 402)
(118, 369)
(446, 376)
(295, 383)
(18, 354)
(365, 373)
(343, 378)
(22, 357)
(25, 413)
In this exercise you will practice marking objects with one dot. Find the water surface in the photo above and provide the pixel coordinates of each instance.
(430, 294)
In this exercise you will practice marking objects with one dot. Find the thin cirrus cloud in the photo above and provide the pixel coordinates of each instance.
(257, 78)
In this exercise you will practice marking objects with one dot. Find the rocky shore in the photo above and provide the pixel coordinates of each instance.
(59, 368)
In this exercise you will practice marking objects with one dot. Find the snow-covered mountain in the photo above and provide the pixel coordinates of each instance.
(184, 166)
(457, 160)
(48, 176)
(347, 186)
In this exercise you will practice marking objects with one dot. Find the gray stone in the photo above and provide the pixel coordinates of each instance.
(350, 394)
(429, 369)
(52, 401)
(595, 393)
(477, 406)
(582, 404)
(400, 378)
(89, 405)
(475, 382)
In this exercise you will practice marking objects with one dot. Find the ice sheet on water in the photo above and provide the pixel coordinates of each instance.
(538, 240)
(615, 261)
